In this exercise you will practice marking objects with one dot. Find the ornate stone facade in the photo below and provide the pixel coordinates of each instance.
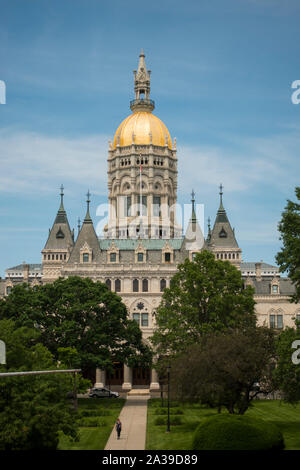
(142, 243)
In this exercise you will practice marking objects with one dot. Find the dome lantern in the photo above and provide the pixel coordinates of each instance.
(142, 101)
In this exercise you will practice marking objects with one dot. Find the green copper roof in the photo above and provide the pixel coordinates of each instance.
(148, 244)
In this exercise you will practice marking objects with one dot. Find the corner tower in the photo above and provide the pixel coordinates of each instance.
(59, 245)
(221, 240)
(142, 171)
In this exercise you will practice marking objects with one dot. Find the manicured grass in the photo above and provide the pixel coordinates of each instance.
(94, 438)
(286, 417)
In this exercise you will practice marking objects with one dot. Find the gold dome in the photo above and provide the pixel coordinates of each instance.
(141, 123)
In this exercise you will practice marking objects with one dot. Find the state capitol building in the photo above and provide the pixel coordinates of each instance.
(142, 243)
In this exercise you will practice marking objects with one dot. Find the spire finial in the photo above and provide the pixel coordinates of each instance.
(221, 197)
(88, 217)
(142, 53)
(209, 230)
(62, 198)
(193, 204)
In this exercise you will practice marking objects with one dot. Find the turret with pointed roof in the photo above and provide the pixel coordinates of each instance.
(86, 249)
(221, 240)
(59, 244)
(193, 239)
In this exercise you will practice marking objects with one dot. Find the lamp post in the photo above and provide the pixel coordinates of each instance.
(168, 422)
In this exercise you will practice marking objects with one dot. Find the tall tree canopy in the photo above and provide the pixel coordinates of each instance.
(222, 369)
(33, 409)
(289, 257)
(204, 295)
(287, 372)
(81, 314)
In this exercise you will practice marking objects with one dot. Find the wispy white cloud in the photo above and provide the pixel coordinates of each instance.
(242, 164)
(30, 161)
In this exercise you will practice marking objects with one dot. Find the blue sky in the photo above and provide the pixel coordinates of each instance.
(221, 80)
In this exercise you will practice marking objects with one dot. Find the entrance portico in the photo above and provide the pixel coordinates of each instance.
(126, 378)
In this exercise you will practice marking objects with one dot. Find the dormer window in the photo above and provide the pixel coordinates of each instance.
(167, 257)
(223, 233)
(85, 257)
(140, 257)
(275, 289)
(60, 233)
(113, 257)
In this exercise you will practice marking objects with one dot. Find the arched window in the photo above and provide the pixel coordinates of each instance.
(145, 285)
(117, 285)
(163, 284)
(135, 285)
(108, 283)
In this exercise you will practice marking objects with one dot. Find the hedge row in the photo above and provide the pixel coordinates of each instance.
(235, 432)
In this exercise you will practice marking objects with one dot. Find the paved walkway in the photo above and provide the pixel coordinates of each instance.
(134, 421)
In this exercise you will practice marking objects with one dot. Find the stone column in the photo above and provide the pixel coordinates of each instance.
(154, 380)
(100, 378)
(127, 384)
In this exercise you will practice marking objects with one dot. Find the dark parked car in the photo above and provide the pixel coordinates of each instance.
(102, 393)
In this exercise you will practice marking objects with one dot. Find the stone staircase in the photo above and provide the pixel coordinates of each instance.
(138, 392)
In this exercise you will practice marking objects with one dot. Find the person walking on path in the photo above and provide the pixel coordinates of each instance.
(118, 427)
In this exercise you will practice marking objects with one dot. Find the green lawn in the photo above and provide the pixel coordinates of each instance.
(287, 418)
(106, 410)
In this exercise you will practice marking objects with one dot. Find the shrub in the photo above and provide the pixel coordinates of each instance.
(162, 420)
(236, 432)
(94, 412)
(173, 411)
(157, 403)
(92, 422)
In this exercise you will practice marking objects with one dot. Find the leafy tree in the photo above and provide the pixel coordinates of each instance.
(289, 257)
(287, 373)
(33, 409)
(204, 295)
(223, 369)
(81, 314)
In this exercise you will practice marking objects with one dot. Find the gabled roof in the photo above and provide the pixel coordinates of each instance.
(264, 267)
(222, 234)
(32, 267)
(87, 238)
(60, 236)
